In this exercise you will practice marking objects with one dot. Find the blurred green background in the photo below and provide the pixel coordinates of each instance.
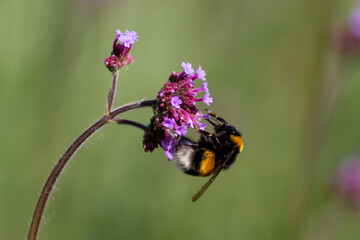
(271, 71)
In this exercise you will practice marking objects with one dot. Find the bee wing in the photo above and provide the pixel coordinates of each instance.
(207, 184)
(211, 180)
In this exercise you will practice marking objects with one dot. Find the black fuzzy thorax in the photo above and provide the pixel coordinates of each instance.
(220, 143)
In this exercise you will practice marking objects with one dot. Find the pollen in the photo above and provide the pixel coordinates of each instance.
(207, 163)
(237, 141)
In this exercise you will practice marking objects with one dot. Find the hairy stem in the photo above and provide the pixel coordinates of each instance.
(130, 106)
(71, 150)
(50, 182)
(112, 92)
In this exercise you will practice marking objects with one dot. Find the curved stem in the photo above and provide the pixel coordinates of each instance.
(71, 150)
(129, 122)
(50, 182)
(131, 106)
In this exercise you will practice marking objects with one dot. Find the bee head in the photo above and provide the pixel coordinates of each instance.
(232, 130)
(235, 137)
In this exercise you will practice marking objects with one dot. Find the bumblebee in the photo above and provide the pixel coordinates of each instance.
(212, 153)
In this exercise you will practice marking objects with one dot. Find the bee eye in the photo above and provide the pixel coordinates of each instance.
(231, 129)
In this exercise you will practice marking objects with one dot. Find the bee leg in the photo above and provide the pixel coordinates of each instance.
(187, 142)
(215, 116)
(203, 132)
(180, 139)
(211, 122)
(209, 136)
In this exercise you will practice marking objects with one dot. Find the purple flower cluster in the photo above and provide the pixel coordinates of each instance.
(354, 21)
(346, 39)
(120, 54)
(176, 109)
(347, 181)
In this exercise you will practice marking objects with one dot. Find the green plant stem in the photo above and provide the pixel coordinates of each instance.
(71, 150)
(112, 92)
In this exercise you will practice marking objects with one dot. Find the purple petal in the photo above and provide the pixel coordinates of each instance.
(169, 155)
(202, 126)
(169, 123)
(132, 36)
(181, 131)
(119, 33)
(204, 87)
(207, 99)
(125, 40)
(354, 22)
(169, 144)
(206, 116)
(176, 102)
(201, 74)
(190, 122)
(187, 68)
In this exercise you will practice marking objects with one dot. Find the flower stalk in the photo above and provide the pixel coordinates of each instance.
(71, 150)
(119, 57)
(112, 92)
(174, 109)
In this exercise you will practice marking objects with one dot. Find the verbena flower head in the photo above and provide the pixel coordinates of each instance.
(120, 54)
(347, 181)
(176, 109)
(354, 21)
(346, 39)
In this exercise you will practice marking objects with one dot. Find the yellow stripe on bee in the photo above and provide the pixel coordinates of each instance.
(237, 140)
(207, 163)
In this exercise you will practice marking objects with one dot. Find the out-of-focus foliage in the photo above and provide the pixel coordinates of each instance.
(272, 73)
